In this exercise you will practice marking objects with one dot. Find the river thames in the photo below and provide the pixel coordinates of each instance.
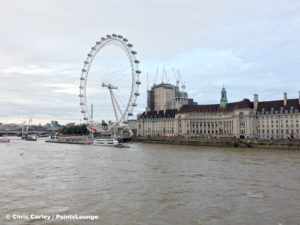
(148, 184)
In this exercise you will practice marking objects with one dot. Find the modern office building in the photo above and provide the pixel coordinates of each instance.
(166, 96)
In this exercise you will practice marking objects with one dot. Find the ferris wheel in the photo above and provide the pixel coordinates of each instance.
(109, 83)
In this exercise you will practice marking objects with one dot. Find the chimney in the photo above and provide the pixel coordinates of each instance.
(255, 102)
(285, 98)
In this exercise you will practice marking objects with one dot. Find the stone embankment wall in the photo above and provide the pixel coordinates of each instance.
(242, 143)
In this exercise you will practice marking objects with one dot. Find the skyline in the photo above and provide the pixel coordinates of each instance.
(249, 46)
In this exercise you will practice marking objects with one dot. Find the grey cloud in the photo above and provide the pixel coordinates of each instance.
(249, 46)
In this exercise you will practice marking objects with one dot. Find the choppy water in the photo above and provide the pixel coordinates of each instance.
(149, 184)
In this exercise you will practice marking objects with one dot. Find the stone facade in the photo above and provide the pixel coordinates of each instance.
(278, 119)
(157, 123)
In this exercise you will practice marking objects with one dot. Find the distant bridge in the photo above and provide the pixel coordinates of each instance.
(19, 132)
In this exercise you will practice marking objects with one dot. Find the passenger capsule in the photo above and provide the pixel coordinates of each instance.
(83, 70)
(138, 82)
(102, 38)
(108, 36)
(81, 78)
(130, 45)
(81, 103)
(130, 114)
(134, 104)
(114, 35)
(90, 55)
(137, 71)
(136, 61)
(93, 48)
(120, 36)
(85, 118)
(125, 39)
(81, 87)
(83, 111)
(98, 42)
(81, 96)
(86, 62)
(134, 52)
(137, 94)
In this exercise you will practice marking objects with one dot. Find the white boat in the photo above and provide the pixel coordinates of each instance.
(4, 140)
(106, 142)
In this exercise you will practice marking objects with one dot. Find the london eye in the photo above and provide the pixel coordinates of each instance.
(109, 83)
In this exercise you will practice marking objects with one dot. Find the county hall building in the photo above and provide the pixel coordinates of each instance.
(278, 119)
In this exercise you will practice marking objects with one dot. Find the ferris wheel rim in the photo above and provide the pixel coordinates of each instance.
(121, 42)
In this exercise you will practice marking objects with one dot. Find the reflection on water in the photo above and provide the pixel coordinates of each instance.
(149, 184)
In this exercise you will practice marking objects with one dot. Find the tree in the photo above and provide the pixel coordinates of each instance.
(77, 129)
(103, 123)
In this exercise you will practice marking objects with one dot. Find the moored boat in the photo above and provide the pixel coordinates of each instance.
(106, 142)
(31, 137)
(4, 140)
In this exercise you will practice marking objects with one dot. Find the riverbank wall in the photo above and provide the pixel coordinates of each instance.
(237, 143)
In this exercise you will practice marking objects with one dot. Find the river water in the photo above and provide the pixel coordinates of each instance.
(148, 184)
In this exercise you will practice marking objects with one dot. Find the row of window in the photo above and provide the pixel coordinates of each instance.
(271, 117)
(209, 132)
(287, 126)
(286, 121)
(277, 131)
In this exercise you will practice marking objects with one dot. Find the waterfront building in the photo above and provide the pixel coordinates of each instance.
(132, 124)
(157, 123)
(278, 119)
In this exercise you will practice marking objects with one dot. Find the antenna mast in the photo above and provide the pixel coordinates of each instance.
(156, 76)
(147, 82)
(162, 75)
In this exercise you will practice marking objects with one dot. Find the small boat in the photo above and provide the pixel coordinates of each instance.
(106, 142)
(4, 140)
(31, 137)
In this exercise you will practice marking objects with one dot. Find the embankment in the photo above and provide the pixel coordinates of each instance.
(239, 143)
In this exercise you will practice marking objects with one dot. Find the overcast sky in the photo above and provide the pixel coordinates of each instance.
(250, 46)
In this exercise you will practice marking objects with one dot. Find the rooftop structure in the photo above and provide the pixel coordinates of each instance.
(167, 96)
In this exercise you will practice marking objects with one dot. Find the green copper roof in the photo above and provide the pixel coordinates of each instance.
(223, 101)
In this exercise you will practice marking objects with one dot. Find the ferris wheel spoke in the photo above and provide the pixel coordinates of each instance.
(113, 103)
(118, 106)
